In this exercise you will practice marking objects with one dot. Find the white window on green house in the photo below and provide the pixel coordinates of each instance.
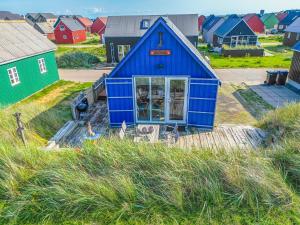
(42, 65)
(13, 76)
(122, 51)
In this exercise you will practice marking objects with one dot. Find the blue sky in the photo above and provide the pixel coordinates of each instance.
(93, 8)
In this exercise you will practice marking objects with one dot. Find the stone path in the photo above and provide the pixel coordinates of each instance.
(276, 96)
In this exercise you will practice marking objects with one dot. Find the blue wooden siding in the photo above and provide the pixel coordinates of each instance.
(202, 102)
(120, 101)
(180, 62)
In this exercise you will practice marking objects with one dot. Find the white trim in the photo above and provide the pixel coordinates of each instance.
(13, 76)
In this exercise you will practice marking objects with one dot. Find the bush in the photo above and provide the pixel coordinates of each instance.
(77, 60)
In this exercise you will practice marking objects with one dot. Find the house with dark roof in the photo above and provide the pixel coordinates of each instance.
(234, 32)
(6, 15)
(210, 28)
(288, 20)
(162, 80)
(69, 31)
(294, 72)
(255, 23)
(270, 21)
(33, 18)
(123, 32)
(85, 22)
(27, 62)
(201, 20)
(292, 33)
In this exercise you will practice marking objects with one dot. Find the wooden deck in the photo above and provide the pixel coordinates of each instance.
(223, 137)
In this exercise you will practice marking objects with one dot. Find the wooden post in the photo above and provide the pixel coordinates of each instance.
(20, 129)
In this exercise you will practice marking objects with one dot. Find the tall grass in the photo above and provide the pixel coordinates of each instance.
(112, 181)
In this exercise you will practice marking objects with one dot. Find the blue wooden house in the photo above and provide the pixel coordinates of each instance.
(163, 80)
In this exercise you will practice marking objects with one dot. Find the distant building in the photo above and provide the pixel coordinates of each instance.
(234, 32)
(123, 32)
(210, 28)
(294, 73)
(270, 21)
(33, 18)
(288, 20)
(27, 62)
(69, 31)
(86, 23)
(255, 23)
(99, 26)
(46, 29)
(6, 15)
(292, 33)
(201, 20)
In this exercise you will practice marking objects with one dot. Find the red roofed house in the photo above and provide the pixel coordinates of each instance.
(201, 20)
(69, 31)
(255, 23)
(99, 26)
(85, 22)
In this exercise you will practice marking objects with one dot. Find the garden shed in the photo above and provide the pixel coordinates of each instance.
(163, 80)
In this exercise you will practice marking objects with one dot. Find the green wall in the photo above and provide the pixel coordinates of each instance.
(31, 79)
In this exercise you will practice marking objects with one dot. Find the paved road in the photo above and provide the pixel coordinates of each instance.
(249, 76)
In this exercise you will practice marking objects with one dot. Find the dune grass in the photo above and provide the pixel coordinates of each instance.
(43, 113)
(111, 181)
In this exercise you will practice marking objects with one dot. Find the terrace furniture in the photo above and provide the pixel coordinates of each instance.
(147, 132)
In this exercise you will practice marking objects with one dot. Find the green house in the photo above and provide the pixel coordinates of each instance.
(27, 62)
(270, 20)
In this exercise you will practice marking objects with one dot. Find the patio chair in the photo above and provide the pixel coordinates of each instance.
(171, 136)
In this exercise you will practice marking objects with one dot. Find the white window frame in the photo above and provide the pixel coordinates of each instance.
(145, 24)
(65, 37)
(13, 76)
(42, 65)
(289, 35)
(62, 27)
(121, 51)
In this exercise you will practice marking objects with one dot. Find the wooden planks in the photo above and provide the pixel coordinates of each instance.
(223, 137)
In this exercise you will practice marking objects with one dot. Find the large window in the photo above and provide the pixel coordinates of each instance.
(150, 98)
(122, 51)
(42, 65)
(13, 76)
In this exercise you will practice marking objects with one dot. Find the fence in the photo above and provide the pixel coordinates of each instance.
(91, 94)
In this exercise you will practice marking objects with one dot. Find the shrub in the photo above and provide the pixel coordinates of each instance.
(77, 60)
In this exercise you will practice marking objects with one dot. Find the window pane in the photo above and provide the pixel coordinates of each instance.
(143, 99)
(158, 99)
(177, 95)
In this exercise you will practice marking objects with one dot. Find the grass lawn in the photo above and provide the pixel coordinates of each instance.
(282, 57)
(271, 39)
(43, 113)
(98, 51)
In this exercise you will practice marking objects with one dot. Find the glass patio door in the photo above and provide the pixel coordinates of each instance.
(176, 99)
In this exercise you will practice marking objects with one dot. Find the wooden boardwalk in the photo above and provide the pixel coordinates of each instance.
(223, 137)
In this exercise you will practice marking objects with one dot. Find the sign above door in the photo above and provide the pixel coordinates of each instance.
(160, 52)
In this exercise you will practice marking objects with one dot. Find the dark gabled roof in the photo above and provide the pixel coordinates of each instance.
(6, 15)
(227, 26)
(130, 26)
(33, 15)
(19, 40)
(48, 15)
(181, 37)
(207, 21)
(72, 24)
(212, 22)
(290, 18)
(296, 47)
